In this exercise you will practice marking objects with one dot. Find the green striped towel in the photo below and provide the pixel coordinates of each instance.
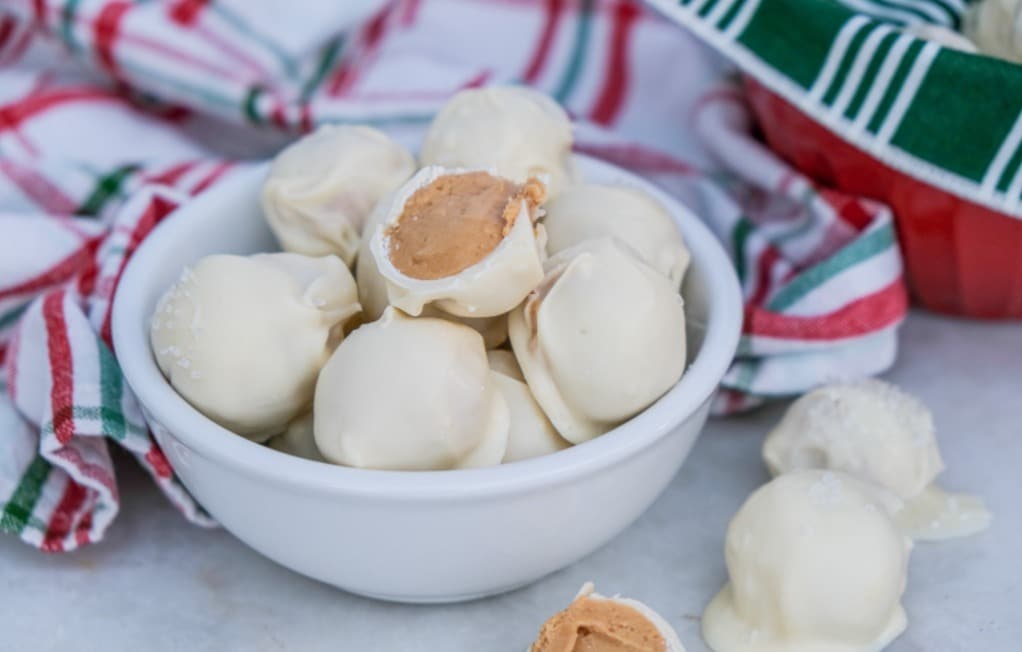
(949, 118)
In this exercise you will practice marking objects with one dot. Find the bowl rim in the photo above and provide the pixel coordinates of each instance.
(196, 431)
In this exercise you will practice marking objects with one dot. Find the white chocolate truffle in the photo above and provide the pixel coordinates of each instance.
(243, 338)
(410, 394)
(505, 364)
(321, 189)
(370, 282)
(600, 339)
(518, 132)
(531, 433)
(995, 26)
(815, 563)
(372, 287)
(590, 210)
(869, 428)
(493, 329)
(298, 440)
(942, 36)
(464, 241)
(372, 290)
(596, 623)
(875, 431)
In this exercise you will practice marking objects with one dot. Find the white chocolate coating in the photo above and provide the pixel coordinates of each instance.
(410, 394)
(489, 288)
(816, 565)
(936, 515)
(875, 431)
(370, 282)
(321, 189)
(504, 363)
(590, 210)
(516, 131)
(870, 429)
(372, 287)
(942, 35)
(995, 26)
(243, 338)
(298, 440)
(600, 339)
(531, 433)
(493, 329)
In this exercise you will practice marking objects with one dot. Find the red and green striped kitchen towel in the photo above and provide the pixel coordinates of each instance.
(112, 113)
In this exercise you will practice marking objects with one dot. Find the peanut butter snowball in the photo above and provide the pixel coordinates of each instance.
(594, 623)
(242, 338)
(372, 290)
(372, 287)
(297, 440)
(591, 210)
(321, 189)
(815, 565)
(405, 393)
(517, 132)
(875, 431)
(531, 433)
(464, 241)
(453, 223)
(600, 339)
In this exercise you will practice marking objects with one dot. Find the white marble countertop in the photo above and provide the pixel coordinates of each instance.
(158, 583)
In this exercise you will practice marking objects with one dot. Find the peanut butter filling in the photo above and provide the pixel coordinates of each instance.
(456, 221)
(589, 625)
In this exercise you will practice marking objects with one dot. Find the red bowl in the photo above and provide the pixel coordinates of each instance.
(960, 257)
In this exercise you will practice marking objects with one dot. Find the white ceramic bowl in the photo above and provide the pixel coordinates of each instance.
(420, 536)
